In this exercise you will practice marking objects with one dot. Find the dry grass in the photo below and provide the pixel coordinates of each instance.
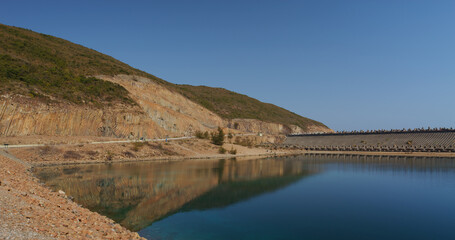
(72, 155)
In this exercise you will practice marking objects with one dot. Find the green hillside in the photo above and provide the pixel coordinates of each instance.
(230, 105)
(53, 69)
(44, 66)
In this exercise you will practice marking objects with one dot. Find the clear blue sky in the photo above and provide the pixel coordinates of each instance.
(349, 64)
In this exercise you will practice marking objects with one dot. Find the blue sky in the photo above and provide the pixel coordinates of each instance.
(349, 64)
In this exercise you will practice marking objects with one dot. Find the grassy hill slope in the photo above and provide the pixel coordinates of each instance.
(230, 105)
(53, 69)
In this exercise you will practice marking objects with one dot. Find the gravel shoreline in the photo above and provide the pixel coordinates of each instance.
(29, 210)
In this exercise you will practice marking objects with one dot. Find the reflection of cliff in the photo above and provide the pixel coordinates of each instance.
(229, 193)
(136, 195)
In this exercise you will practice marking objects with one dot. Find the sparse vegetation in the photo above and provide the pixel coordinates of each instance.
(72, 155)
(246, 142)
(137, 146)
(230, 136)
(202, 135)
(91, 153)
(233, 151)
(45, 150)
(109, 156)
(159, 147)
(222, 150)
(128, 154)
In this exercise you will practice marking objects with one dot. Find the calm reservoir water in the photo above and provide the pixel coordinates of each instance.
(302, 197)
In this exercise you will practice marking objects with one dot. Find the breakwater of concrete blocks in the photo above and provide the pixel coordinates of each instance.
(381, 141)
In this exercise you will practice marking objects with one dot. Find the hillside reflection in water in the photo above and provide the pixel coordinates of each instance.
(139, 194)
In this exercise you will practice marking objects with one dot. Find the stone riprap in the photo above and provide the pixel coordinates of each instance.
(392, 141)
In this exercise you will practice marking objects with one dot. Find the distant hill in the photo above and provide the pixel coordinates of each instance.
(48, 68)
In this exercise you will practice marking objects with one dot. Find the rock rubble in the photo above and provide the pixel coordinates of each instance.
(29, 210)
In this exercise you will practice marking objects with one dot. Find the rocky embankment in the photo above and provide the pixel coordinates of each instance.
(28, 210)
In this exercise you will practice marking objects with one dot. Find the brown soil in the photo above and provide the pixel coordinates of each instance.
(28, 210)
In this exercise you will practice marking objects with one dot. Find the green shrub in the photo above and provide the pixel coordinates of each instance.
(218, 137)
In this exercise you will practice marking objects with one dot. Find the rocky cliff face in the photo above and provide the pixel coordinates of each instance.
(256, 126)
(160, 112)
(21, 119)
(169, 110)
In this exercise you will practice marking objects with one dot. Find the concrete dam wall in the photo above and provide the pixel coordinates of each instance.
(405, 141)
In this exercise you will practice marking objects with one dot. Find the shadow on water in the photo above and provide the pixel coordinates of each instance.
(138, 194)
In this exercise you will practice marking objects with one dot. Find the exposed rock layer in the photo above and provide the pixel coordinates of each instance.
(160, 112)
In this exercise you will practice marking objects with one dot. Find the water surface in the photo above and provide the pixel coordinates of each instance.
(302, 197)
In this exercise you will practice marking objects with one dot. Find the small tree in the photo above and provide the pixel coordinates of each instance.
(218, 137)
